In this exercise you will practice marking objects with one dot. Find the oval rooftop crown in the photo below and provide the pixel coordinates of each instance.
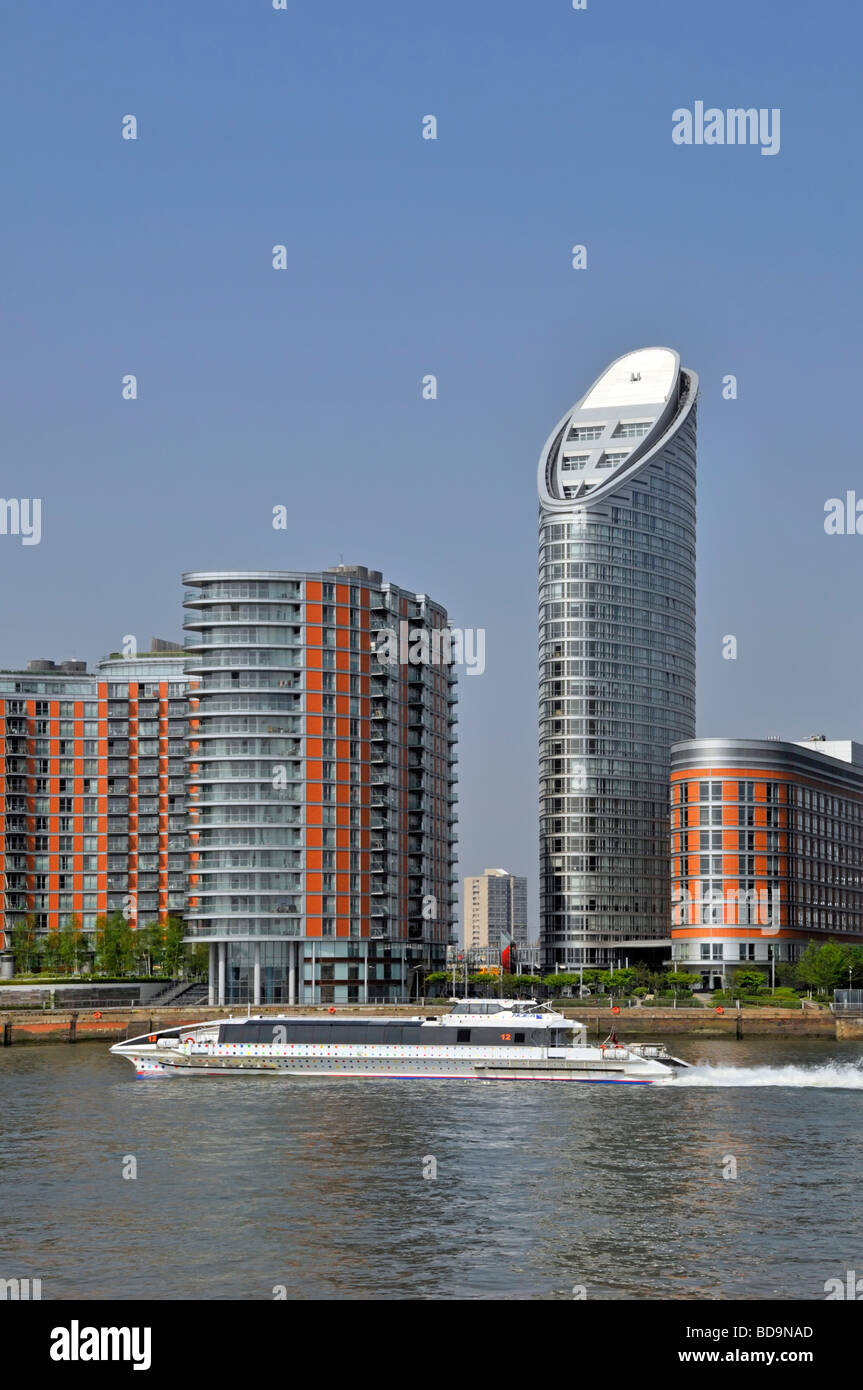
(616, 426)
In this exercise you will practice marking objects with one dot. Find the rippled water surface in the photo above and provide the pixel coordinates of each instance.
(246, 1184)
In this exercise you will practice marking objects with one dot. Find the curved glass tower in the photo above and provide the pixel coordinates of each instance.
(616, 656)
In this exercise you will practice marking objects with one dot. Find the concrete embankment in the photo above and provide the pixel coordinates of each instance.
(108, 1025)
(706, 1023)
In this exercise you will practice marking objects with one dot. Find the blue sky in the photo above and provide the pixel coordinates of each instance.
(406, 257)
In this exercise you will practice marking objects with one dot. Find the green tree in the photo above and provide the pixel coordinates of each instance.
(749, 981)
(594, 978)
(854, 963)
(25, 949)
(149, 948)
(560, 980)
(823, 967)
(198, 958)
(622, 981)
(71, 945)
(481, 981)
(645, 978)
(114, 945)
(786, 974)
(437, 983)
(679, 979)
(51, 952)
(173, 952)
(521, 985)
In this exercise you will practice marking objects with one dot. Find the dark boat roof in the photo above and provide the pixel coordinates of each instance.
(322, 1018)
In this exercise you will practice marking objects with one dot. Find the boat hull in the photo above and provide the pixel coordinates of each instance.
(149, 1066)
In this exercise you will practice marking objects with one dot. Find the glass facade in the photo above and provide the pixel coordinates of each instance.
(321, 788)
(616, 658)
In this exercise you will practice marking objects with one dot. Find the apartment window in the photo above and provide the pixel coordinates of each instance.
(575, 463)
(632, 429)
(587, 432)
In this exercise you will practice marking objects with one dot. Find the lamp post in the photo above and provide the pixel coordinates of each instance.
(412, 970)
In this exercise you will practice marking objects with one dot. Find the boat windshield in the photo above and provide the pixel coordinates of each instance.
(479, 1006)
(496, 1006)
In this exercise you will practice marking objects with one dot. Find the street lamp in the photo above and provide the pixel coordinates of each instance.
(414, 970)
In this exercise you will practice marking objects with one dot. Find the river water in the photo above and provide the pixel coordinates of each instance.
(248, 1188)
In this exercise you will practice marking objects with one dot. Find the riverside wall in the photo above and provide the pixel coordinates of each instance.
(111, 1024)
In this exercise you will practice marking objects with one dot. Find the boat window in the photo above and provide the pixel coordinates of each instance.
(519, 1037)
(312, 1031)
(462, 1035)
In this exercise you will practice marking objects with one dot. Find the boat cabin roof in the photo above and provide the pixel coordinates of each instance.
(496, 1006)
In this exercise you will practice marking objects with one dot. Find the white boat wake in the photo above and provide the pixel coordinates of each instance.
(838, 1076)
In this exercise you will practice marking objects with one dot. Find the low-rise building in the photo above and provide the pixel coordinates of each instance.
(766, 851)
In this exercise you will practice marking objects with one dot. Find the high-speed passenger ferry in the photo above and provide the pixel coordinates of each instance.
(480, 1040)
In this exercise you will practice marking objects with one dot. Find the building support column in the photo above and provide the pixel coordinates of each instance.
(292, 972)
(256, 973)
(221, 990)
(212, 983)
